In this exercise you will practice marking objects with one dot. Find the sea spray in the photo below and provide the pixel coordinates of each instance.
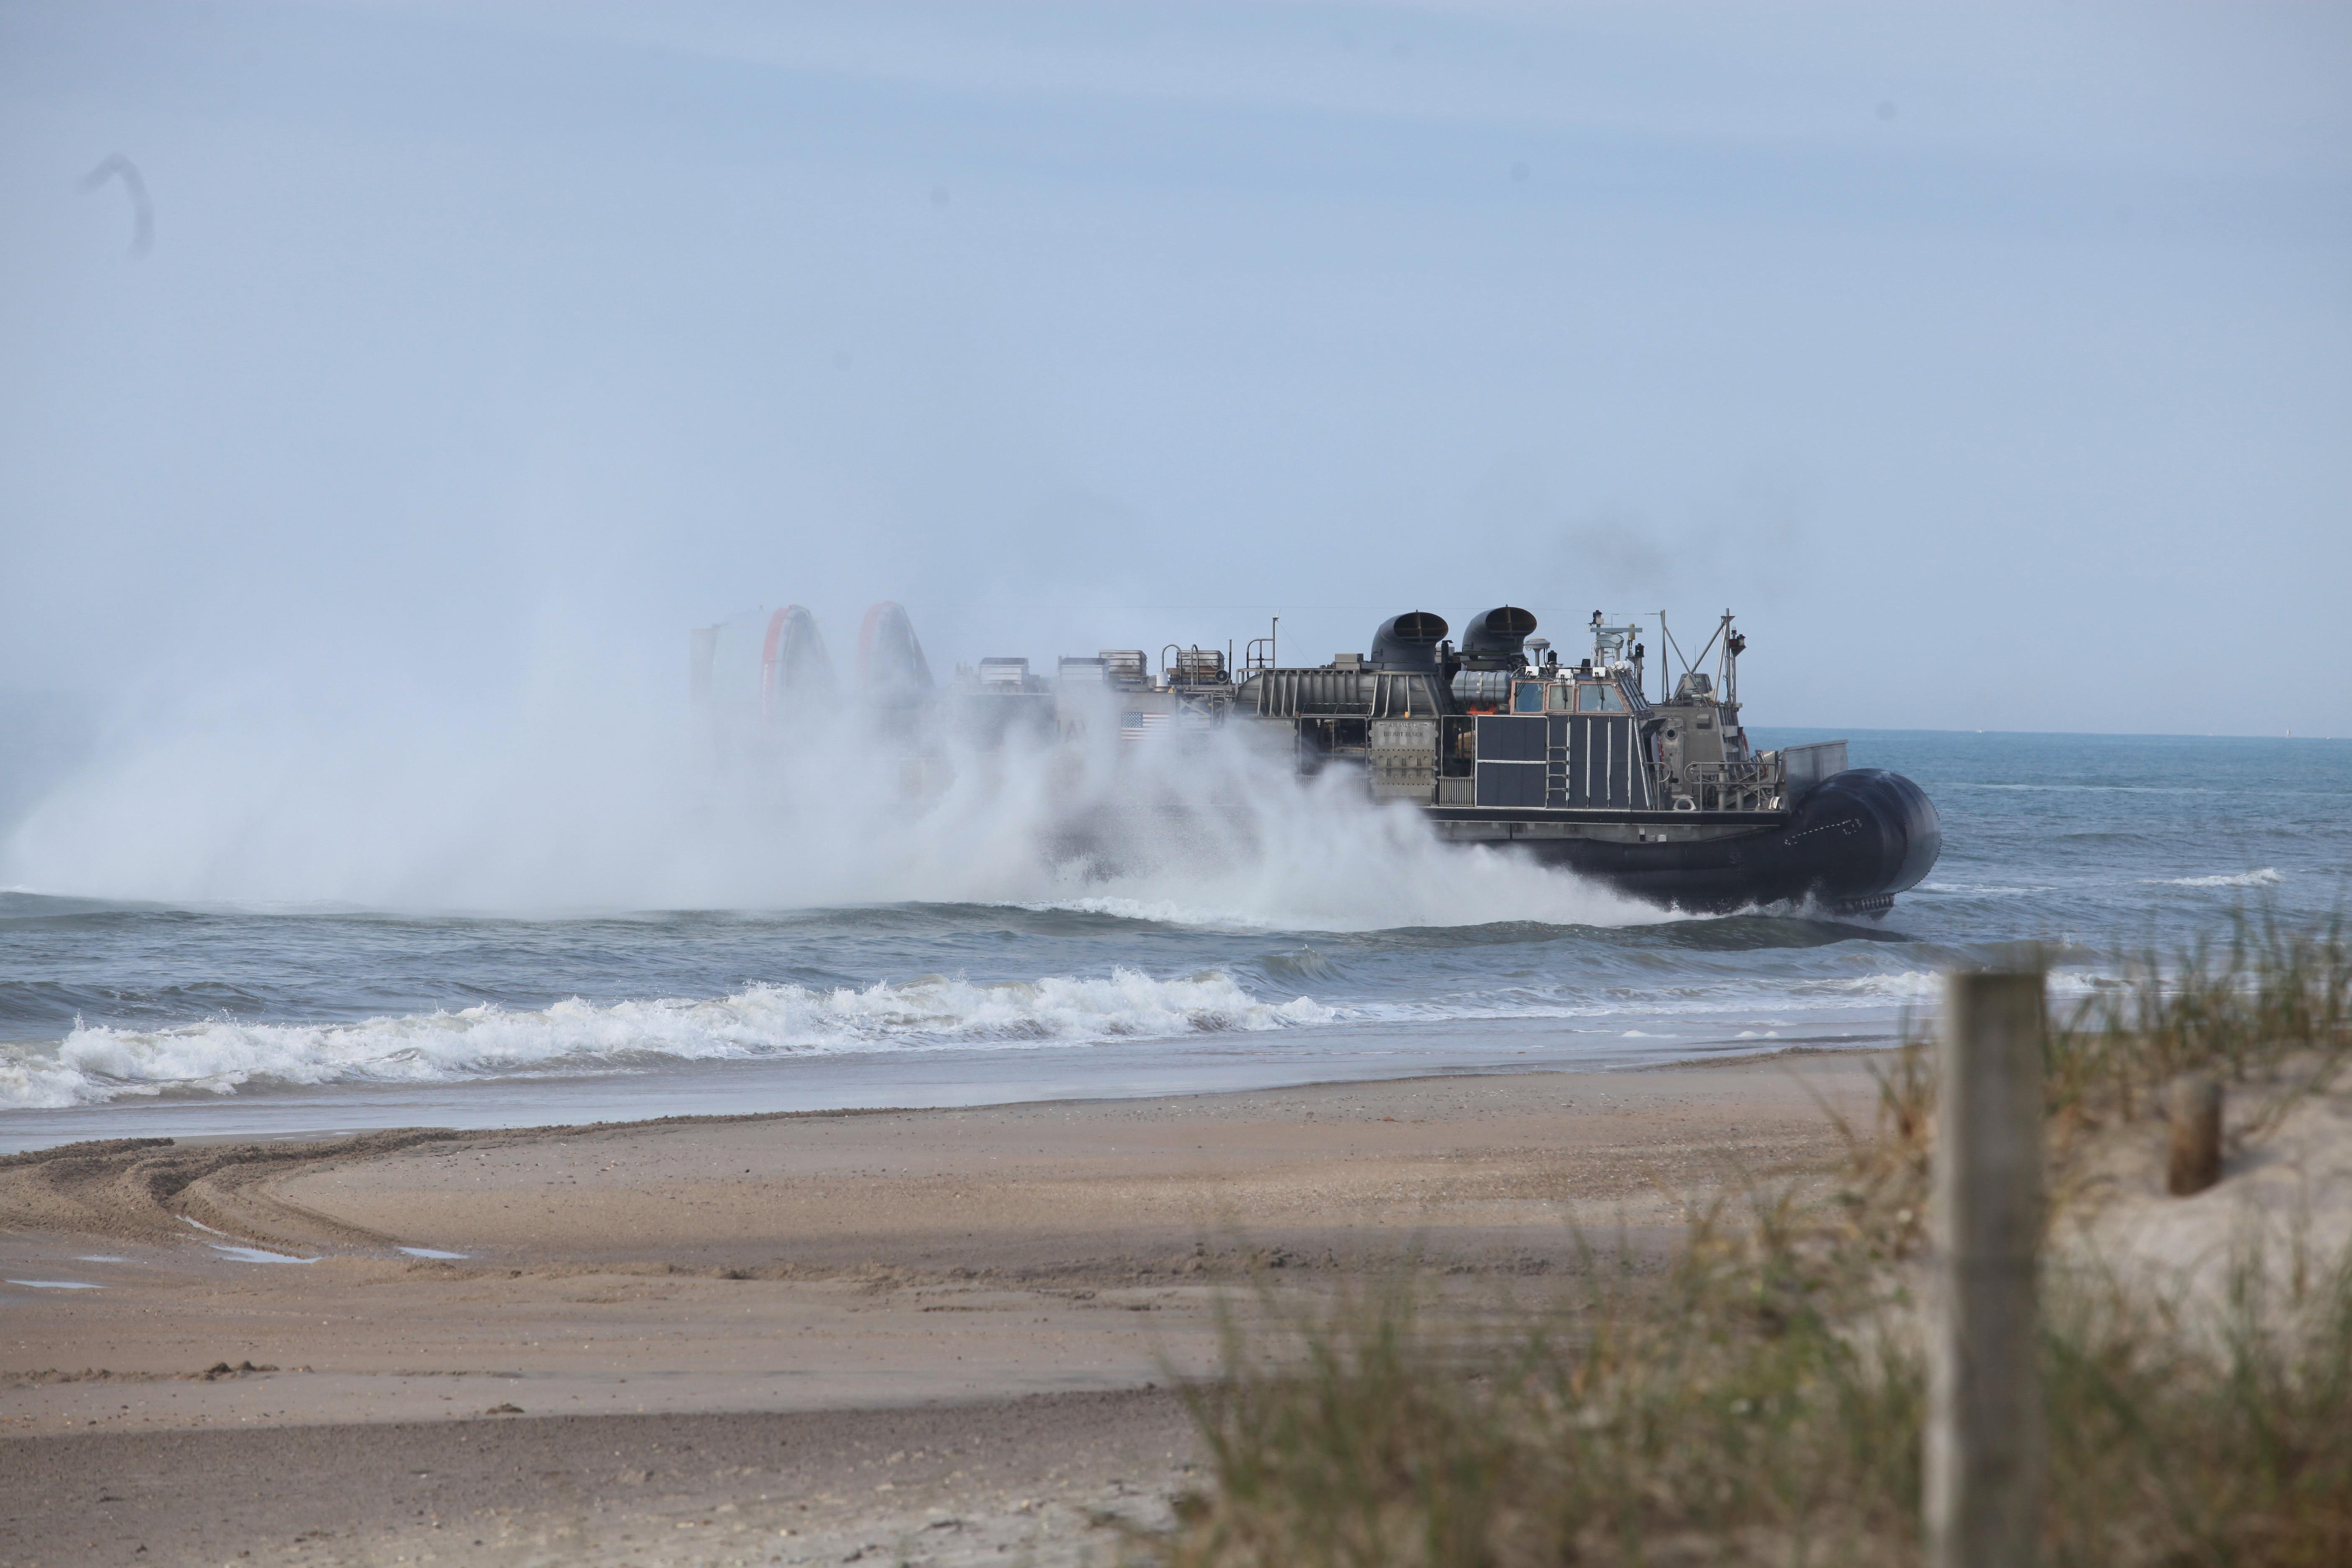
(641, 810)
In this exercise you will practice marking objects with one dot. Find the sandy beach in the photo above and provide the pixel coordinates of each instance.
(942, 1335)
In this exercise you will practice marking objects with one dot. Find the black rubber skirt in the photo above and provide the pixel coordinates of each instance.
(1856, 840)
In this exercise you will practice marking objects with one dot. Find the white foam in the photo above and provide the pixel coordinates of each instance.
(1900, 985)
(31, 1078)
(56, 1285)
(100, 1258)
(2268, 877)
(97, 1064)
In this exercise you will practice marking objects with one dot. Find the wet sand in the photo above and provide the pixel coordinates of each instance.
(752, 1316)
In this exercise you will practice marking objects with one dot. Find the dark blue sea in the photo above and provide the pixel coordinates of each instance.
(1337, 947)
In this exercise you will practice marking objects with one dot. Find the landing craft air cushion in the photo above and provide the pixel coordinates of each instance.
(1498, 741)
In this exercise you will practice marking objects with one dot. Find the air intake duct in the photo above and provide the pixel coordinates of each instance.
(1497, 639)
(792, 662)
(890, 663)
(1408, 641)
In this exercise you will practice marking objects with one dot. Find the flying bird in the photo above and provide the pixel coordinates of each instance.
(142, 211)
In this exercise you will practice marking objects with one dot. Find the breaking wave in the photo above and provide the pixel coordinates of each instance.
(95, 1064)
(2268, 877)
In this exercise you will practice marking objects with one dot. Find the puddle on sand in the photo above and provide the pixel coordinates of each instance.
(100, 1258)
(257, 1255)
(430, 1252)
(54, 1284)
(236, 1254)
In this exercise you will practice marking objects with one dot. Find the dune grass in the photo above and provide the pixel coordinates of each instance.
(1759, 1399)
(2270, 1002)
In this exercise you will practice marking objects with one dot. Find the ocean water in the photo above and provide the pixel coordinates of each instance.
(1359, 954)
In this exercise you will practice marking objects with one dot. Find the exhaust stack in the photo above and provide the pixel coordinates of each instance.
(1497, 639)
(1409, 641)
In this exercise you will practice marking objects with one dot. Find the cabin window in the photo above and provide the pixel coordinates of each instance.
(1560, 697)
(1528, 697)
(1598, 699)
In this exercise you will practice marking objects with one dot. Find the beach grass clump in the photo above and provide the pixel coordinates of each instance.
(1762, 1402)
(1760, 1397)
(2202, 1435)
(2269, 1003)
(1716, 1411)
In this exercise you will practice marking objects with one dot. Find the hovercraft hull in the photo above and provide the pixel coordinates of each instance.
(1850, 844)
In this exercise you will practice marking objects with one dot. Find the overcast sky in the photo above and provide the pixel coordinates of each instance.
(1996, 365)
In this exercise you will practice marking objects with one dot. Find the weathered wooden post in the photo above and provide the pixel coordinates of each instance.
(1986, 1444)
(2194, 1106)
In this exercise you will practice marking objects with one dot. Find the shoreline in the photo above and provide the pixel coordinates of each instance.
(291, 1117)
(773, 1267)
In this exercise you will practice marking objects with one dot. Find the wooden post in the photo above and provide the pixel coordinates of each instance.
(2194, 1108)
(1986, 1447)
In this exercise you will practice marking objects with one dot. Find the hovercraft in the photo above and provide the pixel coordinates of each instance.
(1501, 743)
(1498, 741)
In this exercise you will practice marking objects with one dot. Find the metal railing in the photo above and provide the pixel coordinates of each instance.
(1750, 785)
